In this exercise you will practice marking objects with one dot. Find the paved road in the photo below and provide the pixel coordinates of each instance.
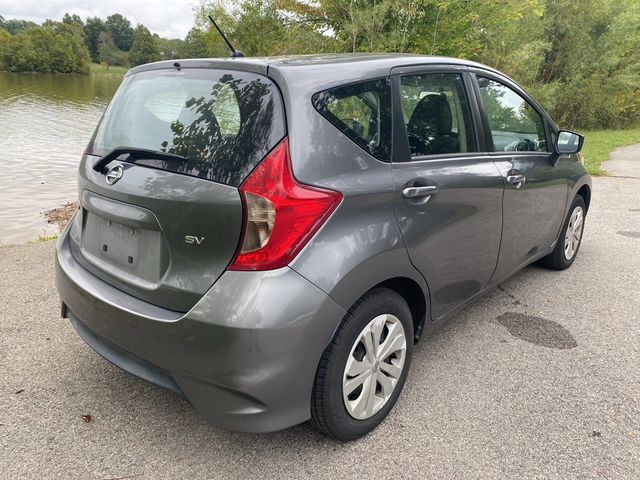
(539, 379)
(624, 162)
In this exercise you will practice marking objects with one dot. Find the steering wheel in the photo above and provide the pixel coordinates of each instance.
(526, 145)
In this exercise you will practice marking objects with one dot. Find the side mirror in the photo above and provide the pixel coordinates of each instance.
(568, 142)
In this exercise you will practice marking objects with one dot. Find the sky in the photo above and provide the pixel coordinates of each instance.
(167, 18)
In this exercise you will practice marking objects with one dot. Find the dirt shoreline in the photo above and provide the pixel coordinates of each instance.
(60, 216)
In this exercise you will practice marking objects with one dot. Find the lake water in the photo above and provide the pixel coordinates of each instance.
(45, 123)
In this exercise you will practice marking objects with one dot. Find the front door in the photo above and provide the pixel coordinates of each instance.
(535, 190)
(448, 193)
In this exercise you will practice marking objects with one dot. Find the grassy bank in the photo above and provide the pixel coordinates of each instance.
(599, 144)
(98, 69)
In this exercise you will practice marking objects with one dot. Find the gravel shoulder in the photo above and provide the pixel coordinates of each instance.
(538, 379)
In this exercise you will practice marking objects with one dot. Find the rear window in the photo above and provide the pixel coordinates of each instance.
(362, 111)
(223, 122)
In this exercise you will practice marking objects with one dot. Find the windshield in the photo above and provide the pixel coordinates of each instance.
(222, 122)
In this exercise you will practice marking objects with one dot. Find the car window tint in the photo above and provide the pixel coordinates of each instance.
(222, 122)
(362, 112)
(515, 124)
(436, 114)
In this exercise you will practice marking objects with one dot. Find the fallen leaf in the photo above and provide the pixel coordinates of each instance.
(20, 391)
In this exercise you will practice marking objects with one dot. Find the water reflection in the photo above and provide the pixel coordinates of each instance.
(45, 123)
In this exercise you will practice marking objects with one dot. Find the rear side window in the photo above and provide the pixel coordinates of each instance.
(436, 114)
(223, 122)
(361, 111)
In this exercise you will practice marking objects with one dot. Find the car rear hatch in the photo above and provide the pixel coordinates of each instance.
(161, 215)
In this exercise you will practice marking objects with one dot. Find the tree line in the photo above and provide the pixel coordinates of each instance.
(581, 60)
(70, 45)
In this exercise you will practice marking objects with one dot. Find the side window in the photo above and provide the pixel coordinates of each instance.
(515, 125)
(362, 112)
(436, 113)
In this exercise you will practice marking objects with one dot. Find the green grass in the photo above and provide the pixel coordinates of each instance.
(44, 238)
(98, 69)
(599, 144)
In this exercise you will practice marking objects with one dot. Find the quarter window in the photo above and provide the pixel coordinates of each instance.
(362, 112)
(515, 124)
(436, 114)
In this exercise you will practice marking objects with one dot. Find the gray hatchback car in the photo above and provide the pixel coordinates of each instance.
(269, 237)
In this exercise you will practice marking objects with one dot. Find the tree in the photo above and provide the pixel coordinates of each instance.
(145, 47)
(170, 48)
(121, 31)
(93, 27)
(55, 47)
(590, 76)
(262, 27)
(108, 52)
(73, 35)
(194, 45)
(5, 37)
(258, 26)
(14, 26)
(70, 19)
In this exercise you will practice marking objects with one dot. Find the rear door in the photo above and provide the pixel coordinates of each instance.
(535, 189)
(448, 191)
(164, 230)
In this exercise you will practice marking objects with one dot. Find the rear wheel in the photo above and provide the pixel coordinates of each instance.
(363, 370)
(568, 244)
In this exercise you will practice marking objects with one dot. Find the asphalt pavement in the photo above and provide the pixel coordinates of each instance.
(538, 379)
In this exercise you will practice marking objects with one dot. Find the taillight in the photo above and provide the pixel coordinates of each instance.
(280, 214)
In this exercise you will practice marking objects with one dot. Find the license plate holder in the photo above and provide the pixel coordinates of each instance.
(130, 253)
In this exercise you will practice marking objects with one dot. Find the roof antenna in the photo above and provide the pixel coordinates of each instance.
(234, 53)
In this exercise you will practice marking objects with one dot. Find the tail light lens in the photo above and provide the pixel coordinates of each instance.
(281, 214)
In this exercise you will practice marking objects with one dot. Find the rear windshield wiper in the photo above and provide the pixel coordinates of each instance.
(135, 154)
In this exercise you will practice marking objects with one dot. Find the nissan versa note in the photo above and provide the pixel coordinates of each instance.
(269, 237)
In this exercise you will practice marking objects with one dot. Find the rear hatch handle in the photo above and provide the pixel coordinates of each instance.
(134, 154)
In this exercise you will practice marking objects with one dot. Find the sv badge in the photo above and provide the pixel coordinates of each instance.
(193, 240)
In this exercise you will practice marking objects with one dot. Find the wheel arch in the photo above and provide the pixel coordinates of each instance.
(585, 192)
(416, 299)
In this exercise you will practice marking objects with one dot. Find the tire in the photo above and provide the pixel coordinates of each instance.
(559, 259)
(381, 313)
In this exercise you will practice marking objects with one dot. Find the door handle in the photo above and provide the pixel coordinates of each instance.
(419, 192)
(516, 179)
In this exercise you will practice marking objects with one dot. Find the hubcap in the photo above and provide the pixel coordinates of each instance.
(374, 366)
(574, 233)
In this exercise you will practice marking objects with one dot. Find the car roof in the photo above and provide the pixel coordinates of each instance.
(388, 59)
(353, 66)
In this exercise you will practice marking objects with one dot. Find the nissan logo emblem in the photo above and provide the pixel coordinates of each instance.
(114, 174)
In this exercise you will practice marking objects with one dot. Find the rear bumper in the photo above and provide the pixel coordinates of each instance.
(245, 355)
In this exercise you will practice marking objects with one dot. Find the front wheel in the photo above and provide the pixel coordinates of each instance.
(568, 244)
(363, 369)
